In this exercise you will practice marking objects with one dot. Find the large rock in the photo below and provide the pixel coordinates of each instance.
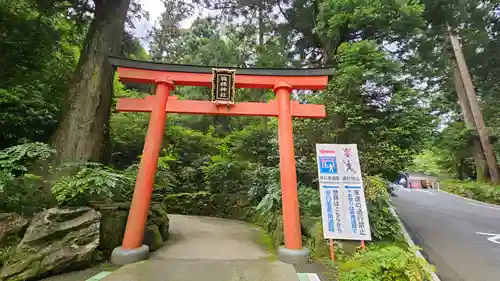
(152, 238)
(56, 240)
(113, 223)
(158, 216)
(11, 227)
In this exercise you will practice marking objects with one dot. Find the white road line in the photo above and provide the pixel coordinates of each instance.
(494, 237)
(308, 277)
(426, 191)
(99, 276)
(419, 190)
(313, 277)
(484, 206)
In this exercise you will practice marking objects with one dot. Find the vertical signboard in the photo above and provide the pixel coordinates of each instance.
(343, 202)
(223, 86)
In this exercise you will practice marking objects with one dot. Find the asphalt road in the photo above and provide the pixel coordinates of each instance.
(453, 233)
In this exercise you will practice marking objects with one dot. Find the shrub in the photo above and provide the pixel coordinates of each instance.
(196, 203)
(310, 203)
(19, 194)
(17, 159)
(383, 224)
(89, 181)
(18, 187)
(474, 190)
(204, 203)
(224, 175)
(260, 180)
(384, 263)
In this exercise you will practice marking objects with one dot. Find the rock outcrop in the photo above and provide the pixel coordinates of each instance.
(158, 216)
(152, 238)
(11, 227)
(56, 240)
(114, 221)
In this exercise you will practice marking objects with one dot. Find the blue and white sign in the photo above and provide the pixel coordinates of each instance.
(343, 204)
(327, 165)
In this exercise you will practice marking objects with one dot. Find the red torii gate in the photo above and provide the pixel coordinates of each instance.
(165, 77)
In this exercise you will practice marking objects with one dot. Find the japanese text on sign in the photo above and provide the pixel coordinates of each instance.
(343, 205)
(223, 86)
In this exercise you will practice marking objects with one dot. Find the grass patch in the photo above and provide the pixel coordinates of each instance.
(107, 266)
(478, 191)
(266, 241)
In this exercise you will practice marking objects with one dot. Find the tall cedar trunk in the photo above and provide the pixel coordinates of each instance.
(260, 47)
(477, 151)
(262, 93)
(476, 112)
(83, 133)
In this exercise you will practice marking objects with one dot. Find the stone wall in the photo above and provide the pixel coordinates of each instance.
(225, 205)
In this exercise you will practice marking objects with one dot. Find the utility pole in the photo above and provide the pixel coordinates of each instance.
(474, 106)
(477, 150)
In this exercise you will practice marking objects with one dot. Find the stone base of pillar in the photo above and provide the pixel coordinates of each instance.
(293, 256)
(121, 256)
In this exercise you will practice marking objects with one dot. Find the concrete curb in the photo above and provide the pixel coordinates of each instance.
(412, 244)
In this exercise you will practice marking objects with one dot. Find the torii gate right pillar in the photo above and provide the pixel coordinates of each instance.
(292, 252)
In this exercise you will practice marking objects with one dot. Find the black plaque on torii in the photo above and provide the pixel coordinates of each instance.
(223, 86)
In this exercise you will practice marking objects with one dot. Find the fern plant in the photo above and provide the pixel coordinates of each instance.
(385, 263)
(18, 188)
(16, 159)
(90, 181)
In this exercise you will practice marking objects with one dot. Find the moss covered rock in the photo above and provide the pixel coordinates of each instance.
(158, 216)
(113, 223)
(12, 227)
(56, 240)
(152, 238)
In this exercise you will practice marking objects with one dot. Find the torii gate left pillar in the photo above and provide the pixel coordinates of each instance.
(162, 103)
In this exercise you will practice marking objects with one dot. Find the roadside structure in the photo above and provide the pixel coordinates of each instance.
(417, 180)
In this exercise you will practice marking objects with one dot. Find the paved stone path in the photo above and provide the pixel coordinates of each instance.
(202, 248)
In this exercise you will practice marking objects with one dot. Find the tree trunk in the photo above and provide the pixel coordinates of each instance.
(260, 47)
(83, 133)
(476, 112)
(477, 151)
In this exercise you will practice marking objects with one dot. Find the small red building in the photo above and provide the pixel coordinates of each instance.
(417, 180)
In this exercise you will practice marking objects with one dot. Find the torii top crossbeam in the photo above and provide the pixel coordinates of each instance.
(194, 75)
(166, 77)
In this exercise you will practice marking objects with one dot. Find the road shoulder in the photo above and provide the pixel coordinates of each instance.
(410, 242)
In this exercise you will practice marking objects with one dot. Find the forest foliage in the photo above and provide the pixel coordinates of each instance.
(391, 94)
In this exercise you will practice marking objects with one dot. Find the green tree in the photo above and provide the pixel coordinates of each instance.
(39, 51)
(83, 132)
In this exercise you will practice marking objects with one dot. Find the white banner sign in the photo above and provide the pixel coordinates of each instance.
(343, 202)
